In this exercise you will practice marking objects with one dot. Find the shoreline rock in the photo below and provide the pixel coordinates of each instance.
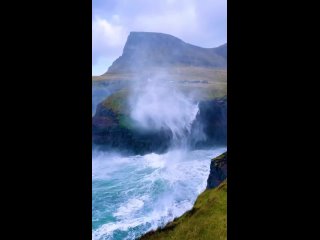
(218, 171)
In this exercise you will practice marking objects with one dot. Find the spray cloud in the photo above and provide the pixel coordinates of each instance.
(157, 103)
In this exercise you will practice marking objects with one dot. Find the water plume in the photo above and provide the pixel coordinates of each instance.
(157, 103)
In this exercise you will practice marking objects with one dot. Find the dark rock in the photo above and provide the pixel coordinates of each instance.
(210, 125)
(218, 171)
(108, 133)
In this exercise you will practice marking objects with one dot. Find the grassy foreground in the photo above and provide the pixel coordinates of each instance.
(207, 219)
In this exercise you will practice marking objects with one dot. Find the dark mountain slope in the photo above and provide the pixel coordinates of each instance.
(144, 50)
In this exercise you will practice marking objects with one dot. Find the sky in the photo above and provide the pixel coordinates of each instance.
(199, 22)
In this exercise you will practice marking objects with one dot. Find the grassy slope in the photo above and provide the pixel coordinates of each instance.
(216, 79)
(207, 219)
(204, 83)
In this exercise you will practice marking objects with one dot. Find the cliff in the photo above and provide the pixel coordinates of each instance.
(113, 128)
(218, 171)
(208, 218)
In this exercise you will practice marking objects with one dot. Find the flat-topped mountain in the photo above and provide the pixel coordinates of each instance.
(147, 49)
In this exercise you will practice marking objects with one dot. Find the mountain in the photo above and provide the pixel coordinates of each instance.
(144, 50)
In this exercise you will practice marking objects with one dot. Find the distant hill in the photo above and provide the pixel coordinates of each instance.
(144, 50)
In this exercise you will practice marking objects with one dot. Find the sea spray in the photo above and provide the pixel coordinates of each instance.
(156, 104)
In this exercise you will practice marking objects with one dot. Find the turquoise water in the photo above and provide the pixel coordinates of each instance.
(133, 195)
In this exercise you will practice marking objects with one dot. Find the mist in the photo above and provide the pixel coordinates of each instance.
(156, 103)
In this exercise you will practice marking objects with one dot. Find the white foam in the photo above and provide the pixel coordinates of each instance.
(105, 163)
(131, 206)
(181, 176)
(154, 160)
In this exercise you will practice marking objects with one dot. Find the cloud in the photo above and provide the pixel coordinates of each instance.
(107, 38)
(202, 23)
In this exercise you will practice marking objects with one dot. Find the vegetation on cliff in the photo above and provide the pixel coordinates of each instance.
(206, 220)
(117, 102)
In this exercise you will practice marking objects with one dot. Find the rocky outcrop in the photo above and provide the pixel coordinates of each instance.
(210, 125)
(218, 171)
(112, 128)
(102, 89)
(147, 49)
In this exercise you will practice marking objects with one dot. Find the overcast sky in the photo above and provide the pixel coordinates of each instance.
(199, 22)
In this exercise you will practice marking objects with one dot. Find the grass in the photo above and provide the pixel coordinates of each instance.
(117, 102)
(178, 73)
(207, 219)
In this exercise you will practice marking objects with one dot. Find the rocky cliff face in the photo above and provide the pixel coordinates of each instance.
(211, 122)
(146, 49)
(218, 171)
(113, 128)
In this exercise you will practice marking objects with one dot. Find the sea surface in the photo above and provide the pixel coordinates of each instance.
(133, 195)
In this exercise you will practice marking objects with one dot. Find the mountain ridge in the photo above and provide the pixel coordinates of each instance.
(145, 50)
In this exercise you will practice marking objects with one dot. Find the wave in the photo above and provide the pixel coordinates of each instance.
(133, 195)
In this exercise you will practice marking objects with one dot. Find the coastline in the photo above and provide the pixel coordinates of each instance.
(208, 217)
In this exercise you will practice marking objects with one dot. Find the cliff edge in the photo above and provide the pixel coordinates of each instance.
(208, 218)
